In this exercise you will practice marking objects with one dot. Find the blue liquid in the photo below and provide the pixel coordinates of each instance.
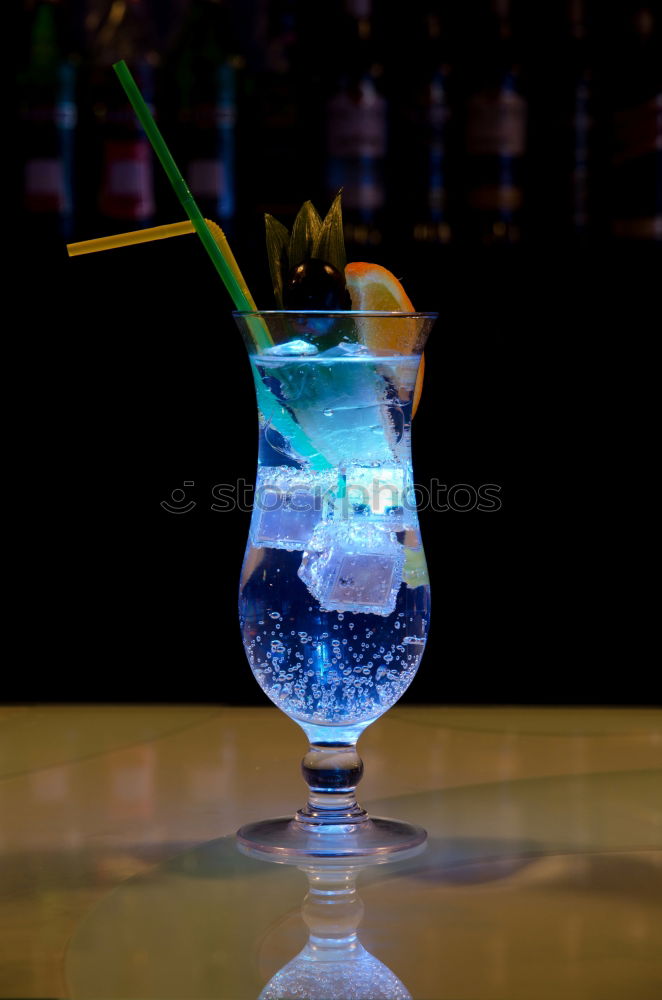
(335, 670)
(327, 669)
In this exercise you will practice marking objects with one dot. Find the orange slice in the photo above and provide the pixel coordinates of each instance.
(372, 287)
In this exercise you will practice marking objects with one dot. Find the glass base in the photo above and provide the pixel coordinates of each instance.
(284, 840)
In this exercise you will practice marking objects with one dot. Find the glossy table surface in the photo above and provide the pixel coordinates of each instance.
(120, 877)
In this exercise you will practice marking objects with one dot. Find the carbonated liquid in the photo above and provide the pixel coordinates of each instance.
(334, 597)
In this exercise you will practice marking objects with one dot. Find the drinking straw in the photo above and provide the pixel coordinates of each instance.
(273, 412)
(127, 239)
(224, 262)
(237, 292)
(163, 233)
(222, 243)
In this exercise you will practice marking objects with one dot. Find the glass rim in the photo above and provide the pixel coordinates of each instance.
(340, 313)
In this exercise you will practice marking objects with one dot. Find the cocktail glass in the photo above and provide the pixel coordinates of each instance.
(334, 598)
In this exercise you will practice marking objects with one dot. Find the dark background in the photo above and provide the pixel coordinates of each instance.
(133, 380)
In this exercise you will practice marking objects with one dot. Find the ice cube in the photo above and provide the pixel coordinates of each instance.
(345, 349)
(338, 399)
(291, 349)
(377, 493)
(289, 503)
(353, 566)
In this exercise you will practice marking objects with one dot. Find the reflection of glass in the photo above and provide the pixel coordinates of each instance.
(334, 596)
(333, 964)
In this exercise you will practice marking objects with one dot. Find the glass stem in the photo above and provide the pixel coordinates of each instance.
(332, 772)
(332, 911)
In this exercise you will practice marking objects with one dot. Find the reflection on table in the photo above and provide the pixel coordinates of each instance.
(333, 964)
(121, 876)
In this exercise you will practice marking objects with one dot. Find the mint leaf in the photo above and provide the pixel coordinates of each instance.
(305, 232)
(278, 239)
(330, 243)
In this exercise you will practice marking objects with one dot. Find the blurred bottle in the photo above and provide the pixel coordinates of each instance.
(496, 129)
(636, 161)
(48, 118)
(357, 128)
(205, 63)
(424, 130)
(566, 146)
(581, 177)
(274, 137)
(120, 151)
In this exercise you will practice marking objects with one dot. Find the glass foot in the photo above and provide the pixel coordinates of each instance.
(284, 840)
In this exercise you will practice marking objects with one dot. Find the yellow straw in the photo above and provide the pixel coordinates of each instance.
(272, 409)
(224, 247)
(126, 239)
(162, 233)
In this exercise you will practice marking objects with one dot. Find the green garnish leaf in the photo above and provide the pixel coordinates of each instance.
(305, 231)
(278, 240)
(330, 242)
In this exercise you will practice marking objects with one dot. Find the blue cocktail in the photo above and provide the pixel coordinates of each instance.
(334, 597)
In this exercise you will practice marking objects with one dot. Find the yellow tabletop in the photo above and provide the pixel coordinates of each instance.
(120, 877)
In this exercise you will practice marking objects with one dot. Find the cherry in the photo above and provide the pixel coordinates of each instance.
(314, 284)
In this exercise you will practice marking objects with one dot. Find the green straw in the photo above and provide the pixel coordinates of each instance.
(187, 200)
(269, 405)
